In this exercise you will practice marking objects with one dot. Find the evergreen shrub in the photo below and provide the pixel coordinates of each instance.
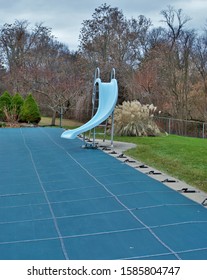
(16, 105)
(30, 111)
(5, 105)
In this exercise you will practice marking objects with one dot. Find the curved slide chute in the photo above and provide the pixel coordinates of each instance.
(108, 95)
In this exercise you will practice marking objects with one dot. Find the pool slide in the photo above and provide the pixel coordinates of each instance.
(108, 95)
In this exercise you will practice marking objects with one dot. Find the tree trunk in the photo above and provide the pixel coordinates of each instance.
(53, 118)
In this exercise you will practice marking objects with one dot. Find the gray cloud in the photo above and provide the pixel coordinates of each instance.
(66, 16)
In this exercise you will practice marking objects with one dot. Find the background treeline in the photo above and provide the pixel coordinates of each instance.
(166, 65)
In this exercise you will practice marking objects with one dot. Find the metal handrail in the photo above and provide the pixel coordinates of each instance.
(97, 73)
(113, 73)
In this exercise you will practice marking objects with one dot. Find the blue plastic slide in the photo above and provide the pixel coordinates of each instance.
(108, 94)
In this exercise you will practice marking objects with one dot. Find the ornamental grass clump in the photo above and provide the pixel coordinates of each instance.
(134, 119)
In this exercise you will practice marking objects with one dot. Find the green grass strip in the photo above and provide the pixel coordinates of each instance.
(184, 158)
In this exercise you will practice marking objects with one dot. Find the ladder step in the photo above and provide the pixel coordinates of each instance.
(100, 133)
(102, 125)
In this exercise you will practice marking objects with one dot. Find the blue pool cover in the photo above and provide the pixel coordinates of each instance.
(58, 201)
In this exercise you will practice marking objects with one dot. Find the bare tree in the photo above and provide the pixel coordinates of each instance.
(36, 62)
(200, 61)
(17, 43)
(110, 40)
(175, 20)
(54, 80)
(177, 63)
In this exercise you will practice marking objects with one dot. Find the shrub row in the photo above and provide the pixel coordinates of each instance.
(17, 109)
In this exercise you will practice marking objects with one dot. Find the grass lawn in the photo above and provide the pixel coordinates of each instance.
(65, 122)
(184, 158)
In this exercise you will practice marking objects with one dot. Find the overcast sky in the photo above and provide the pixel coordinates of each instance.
(65, 17)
